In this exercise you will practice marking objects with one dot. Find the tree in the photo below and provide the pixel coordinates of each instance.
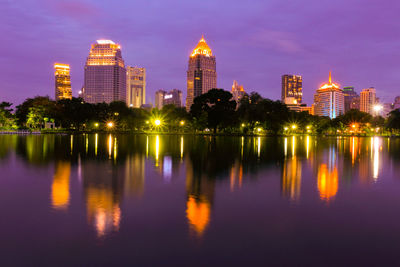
(393, 122)
(218, 105)
(7, 119)
(23, 110)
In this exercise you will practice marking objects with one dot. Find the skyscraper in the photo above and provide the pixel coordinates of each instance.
(160, 99)
(350, 98)
(173, 97)
(368, 100)
(329, 100)
(202, 73)
(105, 73)
(136, 86)
(237, 91)
(292, 86)
(62, 81)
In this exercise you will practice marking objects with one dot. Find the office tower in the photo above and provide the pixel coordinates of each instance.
(329, 100)
(202, 73)
(160, 99)
(237, 91)
(136, 86)
(292, 86)
(368, 100)
(173, 97)
(105, 73)
(350, 98)
(62, 81)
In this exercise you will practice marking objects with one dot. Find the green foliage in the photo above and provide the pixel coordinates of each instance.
(219, 107)
(7, 119)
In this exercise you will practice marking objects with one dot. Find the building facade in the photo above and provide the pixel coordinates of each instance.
(237, 91)
(329, 100)
(172, 97)
(292, 86)
(368, 100)
(62, 81)
(202, 72)
(135, 86)
(105, 73)
(159, 100)
(350, 98)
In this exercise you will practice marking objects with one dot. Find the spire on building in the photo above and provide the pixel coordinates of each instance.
(202, 48)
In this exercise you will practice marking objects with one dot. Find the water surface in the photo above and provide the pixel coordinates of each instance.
(149, 200)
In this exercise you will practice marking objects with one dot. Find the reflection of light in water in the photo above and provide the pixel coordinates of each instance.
(198, 214)
(258, 146)
(308, 146)
(72, 143)
(181, 146)
(328, 182)
(60, 187)
(236, 172)
(376, 143)
(109, 146)
(167, 168)
(241, 152)
(285, 146)
(103, 209)
(79, 168)
(86, 144)
(96, 141)
(115, 148)
(147, 146)
(157, 148)
(293, 146)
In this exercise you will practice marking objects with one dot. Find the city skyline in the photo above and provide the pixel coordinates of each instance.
(265, 51)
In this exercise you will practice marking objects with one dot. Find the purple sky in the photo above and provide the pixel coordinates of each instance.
(255, 42)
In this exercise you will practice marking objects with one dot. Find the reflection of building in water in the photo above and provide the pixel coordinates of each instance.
(291, 173)
(103, 185)
(134, 175)
(291, 178)
(328, 182)
(60, 196)
(200, 190)
(236, 176)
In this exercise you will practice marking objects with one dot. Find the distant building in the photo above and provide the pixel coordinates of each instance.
(350, 98)
(136, 86)
(237, 91)
(292, 86)
(160, 99)
(173, 97)
(105, 73)
(396, 104)
(202, 72)
(292, 105)
(62, 81)
(329, 100)
(368, 100)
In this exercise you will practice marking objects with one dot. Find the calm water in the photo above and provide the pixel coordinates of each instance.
(198, 201)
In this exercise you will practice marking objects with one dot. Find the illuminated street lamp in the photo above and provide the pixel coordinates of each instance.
(259, 129)
(294, 126)
(378, 108)
(96, 124)
(182, 123)
(286, 128)
(157, 122)
(110, 124)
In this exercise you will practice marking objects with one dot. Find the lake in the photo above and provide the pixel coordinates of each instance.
(151, 200)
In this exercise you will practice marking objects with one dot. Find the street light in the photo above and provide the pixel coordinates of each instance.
(294, 126)
(378, 108)
(110, 124)
(96, 124)
(259, 129)
(157, 122)
(182, 123)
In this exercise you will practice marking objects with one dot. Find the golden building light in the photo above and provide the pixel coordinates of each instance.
(62, 81)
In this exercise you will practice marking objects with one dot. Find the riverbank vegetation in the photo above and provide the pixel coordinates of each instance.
(214, 112)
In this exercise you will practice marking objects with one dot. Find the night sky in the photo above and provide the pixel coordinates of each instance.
(254, 41)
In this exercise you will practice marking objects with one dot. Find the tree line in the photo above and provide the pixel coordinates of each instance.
(214, 111)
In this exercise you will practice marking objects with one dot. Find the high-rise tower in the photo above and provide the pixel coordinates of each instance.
(105, 73)
(292, 86)
(202, 73)
(62, 81)
(368, 100)
(329, 100)
(237, 91)
(136, 86)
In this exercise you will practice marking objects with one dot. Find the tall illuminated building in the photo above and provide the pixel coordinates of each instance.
(368, 100)
(62, 81)
(292, 86)
(329, 100)
(237, 91)
(159, 100)
(105, 73)
(351, 98)
(136, 86)
(202, 72)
